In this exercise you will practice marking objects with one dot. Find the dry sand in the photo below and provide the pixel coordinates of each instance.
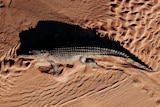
(116, 83)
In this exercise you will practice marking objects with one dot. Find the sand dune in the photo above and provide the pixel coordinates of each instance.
(115, 82)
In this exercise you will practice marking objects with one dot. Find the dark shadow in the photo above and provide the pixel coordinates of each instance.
(51, 34)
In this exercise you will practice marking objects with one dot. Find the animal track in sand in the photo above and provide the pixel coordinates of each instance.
(11, 69)
(114, 83)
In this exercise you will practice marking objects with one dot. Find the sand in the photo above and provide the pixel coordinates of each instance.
(27, 82)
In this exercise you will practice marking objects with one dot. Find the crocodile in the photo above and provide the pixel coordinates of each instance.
(70, 54)
(57, 41)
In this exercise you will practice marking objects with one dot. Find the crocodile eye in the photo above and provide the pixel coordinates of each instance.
(27, 63)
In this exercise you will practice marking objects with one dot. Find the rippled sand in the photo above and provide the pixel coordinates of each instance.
(27, 82)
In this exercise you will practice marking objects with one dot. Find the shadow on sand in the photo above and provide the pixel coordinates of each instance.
(51, 34)
(48, 35)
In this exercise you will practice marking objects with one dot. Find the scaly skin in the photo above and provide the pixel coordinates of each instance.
(69, 54)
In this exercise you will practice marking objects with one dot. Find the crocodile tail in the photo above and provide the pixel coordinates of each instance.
(139, 65)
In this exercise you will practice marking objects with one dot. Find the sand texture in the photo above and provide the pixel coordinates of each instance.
(109, 81)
